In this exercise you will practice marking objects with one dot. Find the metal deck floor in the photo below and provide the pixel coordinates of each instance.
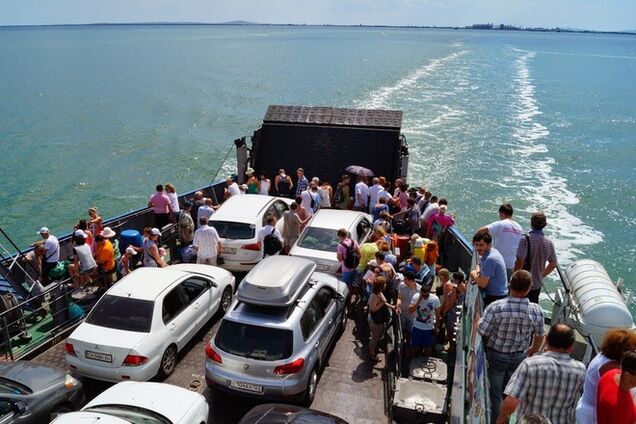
(351, 386)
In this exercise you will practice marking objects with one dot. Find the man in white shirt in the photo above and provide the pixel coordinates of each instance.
(506, 234)
(270, 247)
(231, 188)
(374, 193)
(51, 253)
(207, 243)
(206, 210)
(361, 201)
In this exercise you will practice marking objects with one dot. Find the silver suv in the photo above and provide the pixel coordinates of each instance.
(277, 334)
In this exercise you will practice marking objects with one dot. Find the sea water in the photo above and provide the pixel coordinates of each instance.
(98, 115)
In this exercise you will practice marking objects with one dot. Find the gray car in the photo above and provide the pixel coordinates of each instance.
(277, 335)
(34, 393)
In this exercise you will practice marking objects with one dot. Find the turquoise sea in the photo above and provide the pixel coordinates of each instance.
(97, 115)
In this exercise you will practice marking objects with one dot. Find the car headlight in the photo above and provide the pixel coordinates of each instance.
(70, 382)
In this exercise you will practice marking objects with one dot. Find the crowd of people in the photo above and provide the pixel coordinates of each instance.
(528, 370)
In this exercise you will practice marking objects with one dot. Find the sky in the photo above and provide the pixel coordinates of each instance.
(582, 14)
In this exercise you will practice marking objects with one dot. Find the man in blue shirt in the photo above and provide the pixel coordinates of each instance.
(490, 275)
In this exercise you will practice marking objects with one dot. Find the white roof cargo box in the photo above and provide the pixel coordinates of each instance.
(275, 281)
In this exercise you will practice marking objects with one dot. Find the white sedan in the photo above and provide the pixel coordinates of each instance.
(319, 239)
(140, 324)
(133, 402)
(238, 222)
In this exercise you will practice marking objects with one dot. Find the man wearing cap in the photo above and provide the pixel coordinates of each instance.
(151, 250)
(51, 253)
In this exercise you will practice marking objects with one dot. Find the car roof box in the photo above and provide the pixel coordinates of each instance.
(275, 281)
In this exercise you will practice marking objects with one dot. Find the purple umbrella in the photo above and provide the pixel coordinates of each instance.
(359, 170)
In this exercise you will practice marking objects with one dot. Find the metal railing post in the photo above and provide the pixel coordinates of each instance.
(7, 336)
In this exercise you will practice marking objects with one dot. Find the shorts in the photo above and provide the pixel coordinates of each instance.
(347, 277)
(422, 338)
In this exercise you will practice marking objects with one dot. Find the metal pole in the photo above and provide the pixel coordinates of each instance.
(7, 336)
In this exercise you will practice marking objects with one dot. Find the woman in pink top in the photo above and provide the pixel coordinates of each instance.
(442, 220)
(402, 197)
(160, 204)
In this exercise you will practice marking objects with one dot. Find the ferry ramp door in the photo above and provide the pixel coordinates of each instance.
(324, 142)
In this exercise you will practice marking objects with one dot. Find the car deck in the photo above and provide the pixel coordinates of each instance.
(351, 387)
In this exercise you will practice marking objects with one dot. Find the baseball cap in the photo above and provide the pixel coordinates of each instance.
(131, 250)
(155, 232)
(79, 233)
(43, 230)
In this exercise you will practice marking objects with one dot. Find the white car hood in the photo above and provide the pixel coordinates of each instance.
(170, 401)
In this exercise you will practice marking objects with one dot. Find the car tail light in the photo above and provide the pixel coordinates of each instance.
(210, 353)
(251, 246)
(135, 360)
(70, 349)
(291, 368)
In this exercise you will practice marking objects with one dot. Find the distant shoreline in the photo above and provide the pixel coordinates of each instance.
(485, 27)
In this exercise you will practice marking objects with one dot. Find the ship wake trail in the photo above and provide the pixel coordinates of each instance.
(380, 99)
(532, 169)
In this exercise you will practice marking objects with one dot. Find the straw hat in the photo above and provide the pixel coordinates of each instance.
(107, 232)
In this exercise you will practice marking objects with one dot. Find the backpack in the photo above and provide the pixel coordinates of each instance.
(312, 205)
(351, 259)
(272, 244)
(437, 229)
(527, 263)
(338, 196)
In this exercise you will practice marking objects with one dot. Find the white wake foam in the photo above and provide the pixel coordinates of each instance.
(544, 190)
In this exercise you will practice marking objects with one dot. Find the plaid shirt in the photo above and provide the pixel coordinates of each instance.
(541, 251)
(549, 384)
(510, 324)
(303, 183)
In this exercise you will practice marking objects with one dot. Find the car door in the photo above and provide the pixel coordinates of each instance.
(9, 411)
(177, 317)
(326, 298)
(202, 298)
(309, 327)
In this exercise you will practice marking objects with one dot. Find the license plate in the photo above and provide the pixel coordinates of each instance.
(322, 267)
(103, 357)
(229, 250)
(246, 386)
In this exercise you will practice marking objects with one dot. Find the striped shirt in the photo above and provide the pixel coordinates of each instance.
(541, 251)
(510, 324)
(549, 384)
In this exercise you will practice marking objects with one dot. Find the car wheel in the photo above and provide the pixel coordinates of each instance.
(168, 361)
(59, 410)
(310, 391)
(226, 300)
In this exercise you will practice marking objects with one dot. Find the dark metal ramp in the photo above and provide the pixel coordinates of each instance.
(352, 386)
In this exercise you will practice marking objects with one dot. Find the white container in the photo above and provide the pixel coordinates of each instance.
(599, 304)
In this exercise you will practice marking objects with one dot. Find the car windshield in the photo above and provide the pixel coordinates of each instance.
(253, 341)
(131, 414)
(234, 230)
(316, 238)
(122, 313)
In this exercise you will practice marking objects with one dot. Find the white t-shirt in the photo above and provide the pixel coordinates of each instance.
(204, 211)
(52, 247)
(425, 313)
(265, 185)
(266, 230)
(205, 240)
(505, 238)
(306, 202)
(174, 201)
(234, 189)
(430, 210)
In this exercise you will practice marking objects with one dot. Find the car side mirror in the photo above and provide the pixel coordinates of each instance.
(212, 284)
(20, 407)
